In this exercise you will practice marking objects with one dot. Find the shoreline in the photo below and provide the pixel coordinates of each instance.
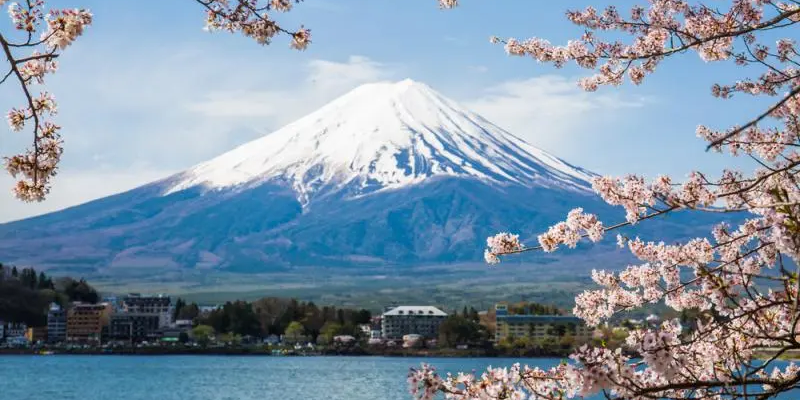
(250, 352)
(262, 352)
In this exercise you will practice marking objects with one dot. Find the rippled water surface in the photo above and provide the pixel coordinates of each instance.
(219, 378)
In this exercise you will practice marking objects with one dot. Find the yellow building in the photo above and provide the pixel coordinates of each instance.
(538, 327)
(38, 334)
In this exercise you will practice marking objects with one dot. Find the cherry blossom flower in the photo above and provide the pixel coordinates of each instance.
(740, 280)
(30, 60)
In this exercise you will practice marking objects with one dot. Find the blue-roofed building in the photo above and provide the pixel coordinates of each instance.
(538, 327)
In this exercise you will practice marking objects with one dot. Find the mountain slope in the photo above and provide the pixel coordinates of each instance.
(388, 174)
(384, 136)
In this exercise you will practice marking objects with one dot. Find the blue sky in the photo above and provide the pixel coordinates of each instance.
(146, 92)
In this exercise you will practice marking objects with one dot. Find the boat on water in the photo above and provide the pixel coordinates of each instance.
(46, 353)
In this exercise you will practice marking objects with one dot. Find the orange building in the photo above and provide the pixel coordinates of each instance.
(85, 322)
(38, 334)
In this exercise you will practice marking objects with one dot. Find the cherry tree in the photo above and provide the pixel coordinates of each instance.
(40, 35)
(742, 279)
(31, 53)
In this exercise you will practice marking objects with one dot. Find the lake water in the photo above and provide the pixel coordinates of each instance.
(219, 378)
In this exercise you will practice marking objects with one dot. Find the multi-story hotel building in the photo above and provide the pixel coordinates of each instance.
(86, 322)
(538, 326)
(56, 324)
(412, 320)
(158, 305)
(134, 327)
(36, 334)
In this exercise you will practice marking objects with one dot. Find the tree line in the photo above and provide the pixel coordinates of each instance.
(295, 319)
(25, 294)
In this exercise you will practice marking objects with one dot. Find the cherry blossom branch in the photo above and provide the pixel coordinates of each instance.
(31, 105)
(519, 248)
(249, 18)
(714, 359)
(754, 121)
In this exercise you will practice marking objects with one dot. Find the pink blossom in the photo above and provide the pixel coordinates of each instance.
(719, 278)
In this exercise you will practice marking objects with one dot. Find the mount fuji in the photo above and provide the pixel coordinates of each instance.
(390, 174)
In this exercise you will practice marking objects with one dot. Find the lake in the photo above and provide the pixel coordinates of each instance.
(219, 377)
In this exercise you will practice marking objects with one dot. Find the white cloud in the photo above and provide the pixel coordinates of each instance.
(550, 111)
(325, 81)
(136, 115)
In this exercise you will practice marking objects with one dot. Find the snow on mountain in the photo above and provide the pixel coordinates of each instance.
(389, 176)
(384, 136)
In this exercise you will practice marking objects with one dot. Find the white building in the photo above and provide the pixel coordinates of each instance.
(412, 340)
(184, 324)
(15, 330)
(343, 339)
(160, 305)
(56, 324)
(408, 320)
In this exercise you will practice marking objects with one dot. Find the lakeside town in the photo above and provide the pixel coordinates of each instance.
(79, 320)
(139, 321)
(45, 315)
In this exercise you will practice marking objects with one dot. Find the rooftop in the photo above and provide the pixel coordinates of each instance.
(416, 310)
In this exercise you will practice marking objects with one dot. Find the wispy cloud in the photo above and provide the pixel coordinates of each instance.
(550, 111)
(142, 120)
(324, 81)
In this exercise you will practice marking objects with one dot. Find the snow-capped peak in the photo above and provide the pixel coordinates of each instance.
(382, 136)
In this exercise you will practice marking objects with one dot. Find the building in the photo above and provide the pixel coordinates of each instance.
(87, 322)
(14, 334)
(2, 330)
(15, 330)
(134, 327)
(365, 329)
(272, 340)
(412, 340)
(36, 334)
(56, 324)
(405, 320)
(158, 305)
(186, 324)
(17, 341)
(344, 339)
(539, 327)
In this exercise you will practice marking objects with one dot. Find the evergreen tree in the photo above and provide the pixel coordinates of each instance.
(179, 304)
(189, 312)
(42, 282)
(473, 315)
(14, 272)
(28, 278)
